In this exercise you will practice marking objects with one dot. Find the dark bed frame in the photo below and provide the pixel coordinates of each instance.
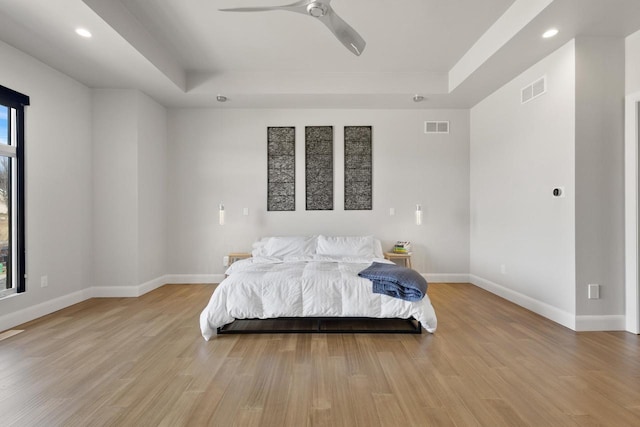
(316, 326)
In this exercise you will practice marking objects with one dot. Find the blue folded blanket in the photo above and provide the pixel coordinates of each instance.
(395, 281)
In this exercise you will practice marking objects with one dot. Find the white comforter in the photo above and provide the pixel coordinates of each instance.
(264, 288)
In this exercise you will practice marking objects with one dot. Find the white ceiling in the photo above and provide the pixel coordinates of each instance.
(184, 52)
(407, 38)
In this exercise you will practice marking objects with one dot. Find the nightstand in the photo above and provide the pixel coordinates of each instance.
(237, 256)
(406, 258)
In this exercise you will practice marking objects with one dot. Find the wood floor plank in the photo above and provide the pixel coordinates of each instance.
(359, 388)
(10, 333)
(142, 361)
(207, 402)
(389, 410)
(299, 395)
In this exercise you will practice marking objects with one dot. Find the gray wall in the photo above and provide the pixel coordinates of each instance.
(115, 203)
(130, 189)
(519, 153)
(570, 137)
(632, 63)
(59, 217)
(632, 87)
(221, 156)
(600, 174)
(122, 193)
(152, 189)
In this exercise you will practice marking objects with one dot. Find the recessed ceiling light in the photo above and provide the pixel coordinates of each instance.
(221, 98)
(83, 32)
(550, 33)
(418, 98)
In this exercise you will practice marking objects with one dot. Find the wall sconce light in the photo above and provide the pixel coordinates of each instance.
(418, 214)
(221, 214)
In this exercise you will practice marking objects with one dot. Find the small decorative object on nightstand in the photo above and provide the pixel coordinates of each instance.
(237, 256)
(406, 257)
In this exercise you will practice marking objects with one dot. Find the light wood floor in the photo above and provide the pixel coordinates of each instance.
(142, 361)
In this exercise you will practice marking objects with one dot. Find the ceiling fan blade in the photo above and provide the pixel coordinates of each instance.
(343, 31)
(250, 9)
(322, 10)
(299, 6)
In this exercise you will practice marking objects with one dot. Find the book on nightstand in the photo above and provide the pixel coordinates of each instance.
(401, 247)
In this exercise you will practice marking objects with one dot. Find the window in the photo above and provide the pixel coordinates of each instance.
(12, 232)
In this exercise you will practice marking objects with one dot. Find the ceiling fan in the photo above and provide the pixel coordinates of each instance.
(322, 10)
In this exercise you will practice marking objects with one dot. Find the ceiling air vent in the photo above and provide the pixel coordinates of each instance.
(534, 90)
(436, 127)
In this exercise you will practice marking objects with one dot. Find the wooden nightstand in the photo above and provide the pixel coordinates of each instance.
(237, 256)
(406, 258)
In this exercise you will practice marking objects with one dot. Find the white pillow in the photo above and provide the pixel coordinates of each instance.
(258, 247)
(346, 246)
(377, 249)
(290, 247)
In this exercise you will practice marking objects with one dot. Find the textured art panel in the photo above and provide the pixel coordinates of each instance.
(281, 164)
(357, 168)
(319, 167)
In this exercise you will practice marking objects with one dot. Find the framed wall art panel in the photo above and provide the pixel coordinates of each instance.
(319, 167)
(281, 165)
(358, 176)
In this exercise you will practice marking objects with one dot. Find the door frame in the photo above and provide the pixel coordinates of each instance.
(631, 142)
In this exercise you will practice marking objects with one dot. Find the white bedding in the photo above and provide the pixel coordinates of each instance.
(318, 286)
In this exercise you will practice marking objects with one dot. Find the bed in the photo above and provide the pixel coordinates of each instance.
(307, 277)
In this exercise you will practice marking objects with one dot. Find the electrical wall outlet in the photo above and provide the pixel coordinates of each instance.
(225, 261)
(245, 211)
(503, 269)
(594, 291)
(44, 281)
(392, 211)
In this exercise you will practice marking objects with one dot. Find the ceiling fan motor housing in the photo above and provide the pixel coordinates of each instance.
(316, 9)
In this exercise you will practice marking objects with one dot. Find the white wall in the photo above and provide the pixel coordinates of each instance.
(632, 63)
(570, 137)
(632, 88)
(130, 164)
(220, 156)
(152, 189)
(115, 159)
(519, 153)
(96, 195)
(59, 217)
(599, 162)
(120, 192)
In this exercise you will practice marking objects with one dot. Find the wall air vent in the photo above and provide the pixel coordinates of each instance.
(436, 127)
(533, 90)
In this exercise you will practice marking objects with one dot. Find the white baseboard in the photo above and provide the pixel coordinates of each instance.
(576, 323)
(127, 291)
(550, 312)
(152, 285)
(185, 279)
(600, 323)
(136, 291)
(446, 278)
(114, 292)
(28, 314)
